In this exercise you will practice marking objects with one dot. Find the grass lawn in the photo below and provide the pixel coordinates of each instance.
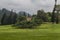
(44, 32)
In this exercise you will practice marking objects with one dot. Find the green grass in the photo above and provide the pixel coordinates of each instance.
(44, 32)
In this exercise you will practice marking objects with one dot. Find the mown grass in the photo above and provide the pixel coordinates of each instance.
(44, 32)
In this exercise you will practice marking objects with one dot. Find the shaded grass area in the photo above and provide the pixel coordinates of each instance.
(44, 32)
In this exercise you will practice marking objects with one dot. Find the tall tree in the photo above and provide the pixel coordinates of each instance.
(10, 17)
(42, 15)
(57, 17)
(53, 13)
(3, 18)
(14, 18)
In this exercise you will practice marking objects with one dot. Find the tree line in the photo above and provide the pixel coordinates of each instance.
(25, 20)
(9, 17)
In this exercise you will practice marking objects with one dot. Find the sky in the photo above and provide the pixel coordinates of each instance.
(30, 6)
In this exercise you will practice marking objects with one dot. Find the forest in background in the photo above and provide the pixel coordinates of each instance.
(24, 19)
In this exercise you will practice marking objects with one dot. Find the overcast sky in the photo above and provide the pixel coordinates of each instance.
(30, 6)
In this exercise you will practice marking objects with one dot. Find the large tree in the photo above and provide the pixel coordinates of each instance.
(10, 17)
(42, 15)
(3, 18)
(14, 18)
(7, 17)
(53, 13)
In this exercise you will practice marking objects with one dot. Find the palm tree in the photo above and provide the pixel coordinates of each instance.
(53, 13)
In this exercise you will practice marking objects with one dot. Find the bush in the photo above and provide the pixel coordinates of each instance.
(29, 24)
(24, 24)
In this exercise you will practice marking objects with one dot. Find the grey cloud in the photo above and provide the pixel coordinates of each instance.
(28, 5)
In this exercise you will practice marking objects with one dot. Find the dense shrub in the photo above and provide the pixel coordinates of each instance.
(29, 24)
(24, 24)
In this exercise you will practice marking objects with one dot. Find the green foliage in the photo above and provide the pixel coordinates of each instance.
(7, 17)
(23, 23)
(3, 18)
(21, 18)
(53, 13)
(42, 15)
(37, 21)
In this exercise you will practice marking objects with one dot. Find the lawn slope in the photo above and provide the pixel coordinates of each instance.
(43, 32)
